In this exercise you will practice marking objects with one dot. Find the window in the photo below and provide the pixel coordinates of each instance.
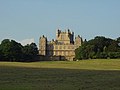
(68, 47)
(60, 47)
(64, 53)
(56, 53)
(56, 47)
(60, 53)
(64, 47)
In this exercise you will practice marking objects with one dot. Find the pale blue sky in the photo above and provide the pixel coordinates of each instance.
(27, 19)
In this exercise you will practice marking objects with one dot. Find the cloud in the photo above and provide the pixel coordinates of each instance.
(27, 41)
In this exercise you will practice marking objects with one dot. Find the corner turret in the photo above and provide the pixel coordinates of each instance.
(42, 45)
(78, 41)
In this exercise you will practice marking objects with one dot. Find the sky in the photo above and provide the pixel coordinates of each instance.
(26, 20)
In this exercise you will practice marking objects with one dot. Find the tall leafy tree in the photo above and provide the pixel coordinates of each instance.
(10, 50)
(16, 51)
(30, 51)
(5, 49)
(99, 47)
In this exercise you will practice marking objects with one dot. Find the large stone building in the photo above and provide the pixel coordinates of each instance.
(63, 48)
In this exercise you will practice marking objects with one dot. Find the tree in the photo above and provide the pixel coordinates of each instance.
(10, 50)
(113, 55)
(16, 51)
(81, 52)
(112, 46)
(1, 54)
(99, 47)
(34, 49)
(30, 51)
(118, 39)
(5, 49)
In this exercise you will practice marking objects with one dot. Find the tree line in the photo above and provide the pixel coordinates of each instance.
(10, 50)
(99, 48)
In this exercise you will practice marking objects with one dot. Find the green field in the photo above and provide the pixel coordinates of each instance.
(61, 75)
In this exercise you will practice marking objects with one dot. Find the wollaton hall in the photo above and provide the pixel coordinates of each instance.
(62, 48)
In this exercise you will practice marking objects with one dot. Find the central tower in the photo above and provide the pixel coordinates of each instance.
(66, 37)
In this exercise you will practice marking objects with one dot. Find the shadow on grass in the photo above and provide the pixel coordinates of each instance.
(18, 78)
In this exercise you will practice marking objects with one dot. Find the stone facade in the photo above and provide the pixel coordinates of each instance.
(63, 48)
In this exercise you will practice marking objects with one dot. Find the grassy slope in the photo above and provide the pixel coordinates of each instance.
(82, 75)
(104, 64)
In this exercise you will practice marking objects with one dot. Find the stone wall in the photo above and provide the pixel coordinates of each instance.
(51, 58)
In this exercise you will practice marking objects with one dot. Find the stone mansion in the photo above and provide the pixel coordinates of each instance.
(62, 48)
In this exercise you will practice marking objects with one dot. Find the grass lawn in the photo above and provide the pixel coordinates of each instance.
(61, 75)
